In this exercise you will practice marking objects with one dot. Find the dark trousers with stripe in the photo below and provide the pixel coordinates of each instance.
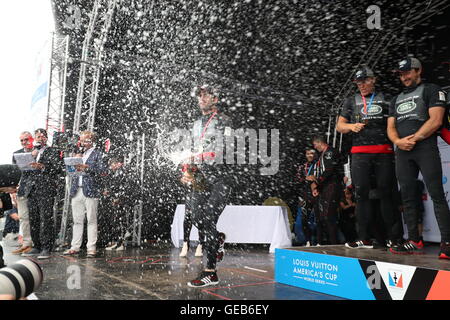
(187, 224)
(379, 167)
(425, 158)
(206, 208)
(326, 213)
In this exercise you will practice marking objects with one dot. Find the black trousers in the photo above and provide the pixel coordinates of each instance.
(326, 213)
(120, 220)
(425, 158)
(187, 224)
(206, 208)
(382, 168)
(42, 225)
(308, 223)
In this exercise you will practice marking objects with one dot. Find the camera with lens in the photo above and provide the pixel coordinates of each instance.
(20, 279)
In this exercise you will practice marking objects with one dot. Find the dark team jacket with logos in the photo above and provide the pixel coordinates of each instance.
(410, 108)
(210, 133)
(373, 138)
(329, 168)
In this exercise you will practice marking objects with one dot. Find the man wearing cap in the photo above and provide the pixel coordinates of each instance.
(365, 116)
(207, 177)
(326, 187)
(415, 116)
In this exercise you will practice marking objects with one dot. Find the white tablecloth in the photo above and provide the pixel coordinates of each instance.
(243, 224)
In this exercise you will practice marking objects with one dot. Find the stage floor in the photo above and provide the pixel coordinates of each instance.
(427, 260)
(157, 273)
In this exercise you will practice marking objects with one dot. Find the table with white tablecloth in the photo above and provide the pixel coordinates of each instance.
(243, 224)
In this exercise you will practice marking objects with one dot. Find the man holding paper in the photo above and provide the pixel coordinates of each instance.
(85, 193)
(26, 140)
(49, 169)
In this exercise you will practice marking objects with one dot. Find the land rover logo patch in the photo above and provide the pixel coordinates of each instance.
(373, 110)
(406, 107)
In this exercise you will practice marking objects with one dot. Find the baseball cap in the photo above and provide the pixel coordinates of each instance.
(206, 88)
(408, 63)
(363, 73)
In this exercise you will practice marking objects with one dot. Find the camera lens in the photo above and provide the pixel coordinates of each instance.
(21, 278)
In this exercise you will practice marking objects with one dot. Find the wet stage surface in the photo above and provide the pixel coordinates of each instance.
(158, 273)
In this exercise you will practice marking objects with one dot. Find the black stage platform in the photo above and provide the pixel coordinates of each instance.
(157, 273)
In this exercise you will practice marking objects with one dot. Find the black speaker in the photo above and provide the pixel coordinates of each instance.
(9, 175)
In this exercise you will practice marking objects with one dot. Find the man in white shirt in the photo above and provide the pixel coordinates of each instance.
(85, 193)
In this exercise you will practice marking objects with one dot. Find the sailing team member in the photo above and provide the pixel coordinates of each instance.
(309, 168)
(415, 116)
(327, 187)
(364, 115)
(209, 180)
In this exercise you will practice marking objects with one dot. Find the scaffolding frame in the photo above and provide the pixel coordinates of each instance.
(57, 84)
(91, 64)
(138, 208)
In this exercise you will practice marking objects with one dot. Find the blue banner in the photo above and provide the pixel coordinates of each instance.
(333, 275)
(40, 93)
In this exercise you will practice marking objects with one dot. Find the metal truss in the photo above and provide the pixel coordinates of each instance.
(91, 64)
(137, 211)
(57, 84)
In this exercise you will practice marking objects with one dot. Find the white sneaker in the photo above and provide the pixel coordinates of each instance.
(121, 248)
(199, 251)
(308, 244)
(184, 250)
(111, 247)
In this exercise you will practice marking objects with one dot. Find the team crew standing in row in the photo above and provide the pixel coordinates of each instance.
(409, 123)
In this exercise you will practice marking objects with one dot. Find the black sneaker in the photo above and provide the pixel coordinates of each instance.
(205, 279)
(409, 247)
(221, 251)
(393, 243)
(445, 251)
(362, 244)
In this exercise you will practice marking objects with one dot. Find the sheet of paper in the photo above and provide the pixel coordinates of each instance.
(23, 161)
(70, 163)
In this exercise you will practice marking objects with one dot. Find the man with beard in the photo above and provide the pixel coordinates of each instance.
(416, 114)
(209, 181)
